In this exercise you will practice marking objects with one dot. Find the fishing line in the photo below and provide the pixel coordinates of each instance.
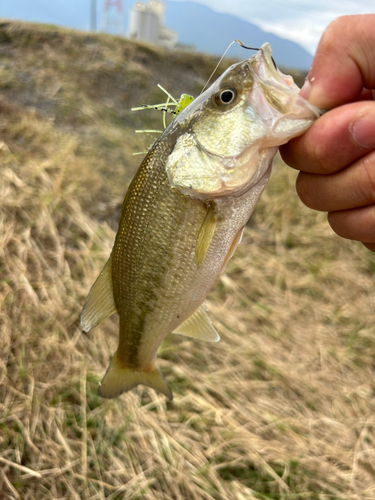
(217, 65)
(222, 57)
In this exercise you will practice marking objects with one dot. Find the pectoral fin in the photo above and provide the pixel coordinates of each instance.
(234, 245)
(205, 235)
(120, 378)
(199, 326)
(100, 302)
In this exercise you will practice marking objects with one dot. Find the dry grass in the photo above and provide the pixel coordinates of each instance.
(282, 408)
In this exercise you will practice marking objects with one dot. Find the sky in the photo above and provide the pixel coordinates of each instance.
(302, 21)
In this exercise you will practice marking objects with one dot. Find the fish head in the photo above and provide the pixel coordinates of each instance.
(228, 136)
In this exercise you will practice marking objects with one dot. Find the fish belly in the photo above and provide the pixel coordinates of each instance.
(153, 266)
(156, 282)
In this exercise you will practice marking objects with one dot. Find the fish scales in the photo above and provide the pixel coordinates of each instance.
(154, 258)
(184, 214)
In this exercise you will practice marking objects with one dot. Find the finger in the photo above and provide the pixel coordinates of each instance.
(370, 246)
(366, 95)
(335, 140)
(343, 63)
(357, 224)
(351, 188)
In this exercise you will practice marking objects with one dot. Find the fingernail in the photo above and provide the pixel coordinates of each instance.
(313, 93)
(306, 89)
(363, 131)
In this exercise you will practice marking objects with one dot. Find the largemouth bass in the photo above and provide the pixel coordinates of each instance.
(185, 211)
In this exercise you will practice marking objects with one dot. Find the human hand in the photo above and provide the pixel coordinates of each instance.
(336, 156)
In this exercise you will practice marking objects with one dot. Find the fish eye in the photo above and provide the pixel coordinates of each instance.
(225, 96)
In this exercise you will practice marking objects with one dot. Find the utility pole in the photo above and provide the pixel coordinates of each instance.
(114, 19)
(93, 15)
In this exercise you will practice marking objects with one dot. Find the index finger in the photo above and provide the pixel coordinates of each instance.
(344, 62)
(336, 140)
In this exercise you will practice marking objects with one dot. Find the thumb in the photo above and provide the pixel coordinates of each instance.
(344, 62)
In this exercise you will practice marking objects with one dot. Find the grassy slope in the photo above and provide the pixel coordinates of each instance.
(283, 407)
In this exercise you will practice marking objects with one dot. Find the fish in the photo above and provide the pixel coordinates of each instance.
(184, 213)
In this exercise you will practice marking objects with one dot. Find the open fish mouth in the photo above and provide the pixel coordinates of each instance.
(271, 78)
(265, 67)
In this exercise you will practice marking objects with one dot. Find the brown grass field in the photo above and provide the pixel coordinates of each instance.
(282, 408)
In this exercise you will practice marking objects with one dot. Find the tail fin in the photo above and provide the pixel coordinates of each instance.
(120, 378)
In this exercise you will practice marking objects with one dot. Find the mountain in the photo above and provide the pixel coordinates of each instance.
(196, 25)
(212, 32)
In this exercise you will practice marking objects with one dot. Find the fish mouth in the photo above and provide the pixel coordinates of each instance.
(266, 51)
(266, 69)
(278, 89)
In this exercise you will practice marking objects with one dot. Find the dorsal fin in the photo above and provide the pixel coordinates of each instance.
(100, 302)
(199, 326)
(205, 235)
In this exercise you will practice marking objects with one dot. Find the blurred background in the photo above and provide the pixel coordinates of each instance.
(292, 27)
(283, 407)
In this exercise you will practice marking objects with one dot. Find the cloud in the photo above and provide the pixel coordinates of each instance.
(300, 21)
(306, 28)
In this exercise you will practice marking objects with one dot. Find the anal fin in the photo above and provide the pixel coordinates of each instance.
(205, 235)
(100, 302)
(121, 378)
(199, 326)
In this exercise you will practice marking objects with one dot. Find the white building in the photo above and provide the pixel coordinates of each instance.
(146, 24)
